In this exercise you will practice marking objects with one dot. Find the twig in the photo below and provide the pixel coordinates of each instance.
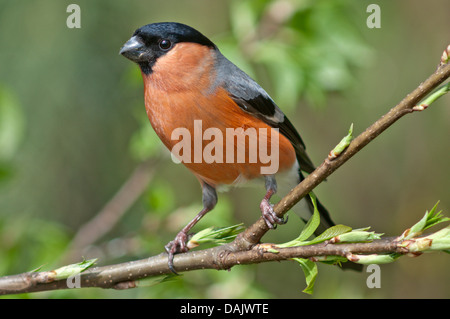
(253, 234)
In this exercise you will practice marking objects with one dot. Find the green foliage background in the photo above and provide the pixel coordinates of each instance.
(73, 127)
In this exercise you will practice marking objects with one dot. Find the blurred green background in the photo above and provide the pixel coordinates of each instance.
(73, 129)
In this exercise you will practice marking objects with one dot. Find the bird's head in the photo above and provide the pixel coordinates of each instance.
(153, 41)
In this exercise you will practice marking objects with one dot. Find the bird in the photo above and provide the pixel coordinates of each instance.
(191, 90)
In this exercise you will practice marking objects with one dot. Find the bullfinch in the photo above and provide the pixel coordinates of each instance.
(220, 123)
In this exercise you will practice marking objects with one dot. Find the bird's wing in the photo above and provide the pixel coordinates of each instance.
(253, 99)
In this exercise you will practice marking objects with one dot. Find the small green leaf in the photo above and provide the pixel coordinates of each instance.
(156, 280)
(417, 228)
(312, 223)
(310, 270)
(430, 219)
(343, 144)
(357, 236)
(73, 269)
(216, 236)
(436, 94)
(439, 240)
(37, 269)
(331, 232)
(435, 218)
(374, 259)
(309, 228)
(331, 260)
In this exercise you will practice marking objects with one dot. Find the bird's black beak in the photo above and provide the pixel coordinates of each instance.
(134, 49)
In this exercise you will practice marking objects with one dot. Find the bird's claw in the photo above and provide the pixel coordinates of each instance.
(177, 245)
(269, 215)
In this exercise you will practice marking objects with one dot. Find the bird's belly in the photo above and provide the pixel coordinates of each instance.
(215, 139)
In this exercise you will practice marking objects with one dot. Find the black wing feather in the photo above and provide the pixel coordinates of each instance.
(252, 98)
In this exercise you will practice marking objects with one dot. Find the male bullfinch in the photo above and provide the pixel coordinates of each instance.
(189, 86)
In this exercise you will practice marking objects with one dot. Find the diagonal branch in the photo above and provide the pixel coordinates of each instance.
(253, 234)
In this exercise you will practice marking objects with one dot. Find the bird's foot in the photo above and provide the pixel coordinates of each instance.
(177, 245)
(271, 219)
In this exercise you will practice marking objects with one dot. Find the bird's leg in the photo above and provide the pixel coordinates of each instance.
(267, 211)
(178, 245)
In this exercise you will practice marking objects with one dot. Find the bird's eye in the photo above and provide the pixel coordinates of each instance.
(165, 44)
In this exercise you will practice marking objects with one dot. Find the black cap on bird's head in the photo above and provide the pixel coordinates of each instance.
(151, 41)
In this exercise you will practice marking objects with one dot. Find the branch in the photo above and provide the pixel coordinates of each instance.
(126, 275)
(255, 232)
(245, 248)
